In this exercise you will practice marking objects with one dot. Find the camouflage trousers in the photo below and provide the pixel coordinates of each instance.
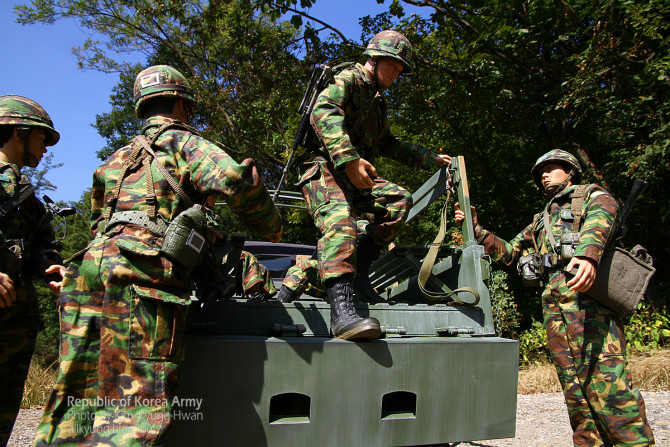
(588, 348)
(19, 325)
(304, 278)
(335, 204)
(122, 319)
(254, 275)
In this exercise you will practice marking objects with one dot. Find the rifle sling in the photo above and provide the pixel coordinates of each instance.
(24, 191)
(429, 261)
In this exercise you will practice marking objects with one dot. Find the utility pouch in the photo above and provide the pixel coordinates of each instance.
(530, 269)
(622, 278)
(569, 242)
(185, 239)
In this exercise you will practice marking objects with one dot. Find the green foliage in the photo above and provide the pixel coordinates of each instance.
(505, 310)
(37, 176)
(533, 345)
(46, 347)
(497, 82)
(648, 329)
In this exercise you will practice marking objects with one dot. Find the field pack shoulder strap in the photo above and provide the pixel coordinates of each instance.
(24, 191)
(143, 153)
(578, 197)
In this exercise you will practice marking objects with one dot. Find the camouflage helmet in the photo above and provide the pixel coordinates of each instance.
(393, 44)
(160, 80)
(23, 112)
(556, 156)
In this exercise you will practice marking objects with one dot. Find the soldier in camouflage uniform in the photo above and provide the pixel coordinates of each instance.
(123, 303)
(340, 182)
(586, 339)
(26, 246)
(304, 277)
(255, 280)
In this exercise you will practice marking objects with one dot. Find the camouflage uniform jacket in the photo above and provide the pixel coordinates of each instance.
(28, 222)
(598, 211)
(350, 119)
(200, 168)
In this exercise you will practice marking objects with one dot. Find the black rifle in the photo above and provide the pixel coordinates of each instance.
(638, 188)
(321, 74)
(56, 210)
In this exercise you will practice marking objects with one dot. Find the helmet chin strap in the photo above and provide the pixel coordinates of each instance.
(375, 75)
(25, 136)
(554, 188)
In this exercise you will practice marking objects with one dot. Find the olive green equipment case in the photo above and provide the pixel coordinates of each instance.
(270, 374)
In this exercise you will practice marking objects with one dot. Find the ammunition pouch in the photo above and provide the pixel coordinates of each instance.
(186, 238)
(622, 278)
(567, 246)
(531, 270)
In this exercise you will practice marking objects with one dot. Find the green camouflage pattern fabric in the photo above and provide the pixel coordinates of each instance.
(160, 80)
(20, 322)
(20, 111)
(350, 119)
(335, 204)
(254, 277)
(201, 169)
(556, 156)
(393, 44)
(304, 278)
(585, 338)
(123, 305)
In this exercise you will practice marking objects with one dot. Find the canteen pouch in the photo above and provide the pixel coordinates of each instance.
(185, 239)
(622, 278)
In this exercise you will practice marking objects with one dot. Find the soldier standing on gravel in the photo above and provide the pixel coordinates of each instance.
(585, 338)
(26, 246)
(124, 298)
(340, 182)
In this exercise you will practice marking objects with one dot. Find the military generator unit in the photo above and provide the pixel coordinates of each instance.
(270, 374)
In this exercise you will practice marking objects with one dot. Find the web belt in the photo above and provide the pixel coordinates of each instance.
(156, 225)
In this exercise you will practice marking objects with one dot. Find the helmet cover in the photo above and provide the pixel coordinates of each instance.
(160, 80)
(556, 156)
(20, 111)
(392, 44)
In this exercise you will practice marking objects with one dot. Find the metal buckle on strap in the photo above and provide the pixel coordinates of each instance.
(156, 225)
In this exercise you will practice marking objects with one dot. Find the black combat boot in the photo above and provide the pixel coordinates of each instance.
(366, 253)
(345, 323)
(286, 295)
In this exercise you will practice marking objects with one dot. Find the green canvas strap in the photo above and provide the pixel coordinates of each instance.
(429, 261)
(156, 224)
(578, 197)
(138, 143)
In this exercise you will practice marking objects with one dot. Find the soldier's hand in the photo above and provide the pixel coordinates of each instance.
(443, 159)
(56, 285)
(7, 292)
(585, 273)
(357, 171)
(274, 238)
(459, 215)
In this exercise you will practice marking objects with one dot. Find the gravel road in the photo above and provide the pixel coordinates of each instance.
(541, 421)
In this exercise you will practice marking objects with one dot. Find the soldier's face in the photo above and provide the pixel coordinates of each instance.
(552, 174)
(36, 146)
(388, 70)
